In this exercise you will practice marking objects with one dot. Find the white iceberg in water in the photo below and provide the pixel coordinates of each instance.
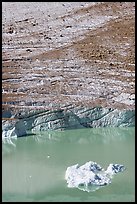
(91, 176)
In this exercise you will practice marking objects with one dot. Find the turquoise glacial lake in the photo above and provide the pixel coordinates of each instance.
(33, 167)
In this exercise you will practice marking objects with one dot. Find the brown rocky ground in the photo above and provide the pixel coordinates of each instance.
(61, 53)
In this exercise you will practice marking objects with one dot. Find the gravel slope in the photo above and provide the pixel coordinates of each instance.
(60, 53)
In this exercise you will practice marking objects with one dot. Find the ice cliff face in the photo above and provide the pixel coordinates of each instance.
(69, 117)
(13, 128)
(91, 176)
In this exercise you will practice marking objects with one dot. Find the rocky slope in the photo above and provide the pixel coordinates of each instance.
(60, 57)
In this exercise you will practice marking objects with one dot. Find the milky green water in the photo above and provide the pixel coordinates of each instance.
(33, 168)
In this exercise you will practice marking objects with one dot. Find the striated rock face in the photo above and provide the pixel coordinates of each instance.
(91, 176)
(68, 65)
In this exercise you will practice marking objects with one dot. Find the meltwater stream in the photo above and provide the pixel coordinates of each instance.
(33, 167)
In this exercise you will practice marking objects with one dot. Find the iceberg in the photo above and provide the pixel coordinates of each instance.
(91, 176)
